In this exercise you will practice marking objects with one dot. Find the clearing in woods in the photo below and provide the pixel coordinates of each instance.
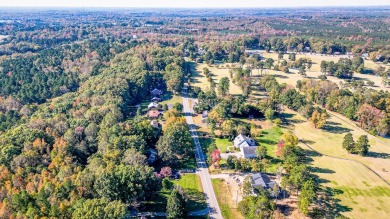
(200, 80)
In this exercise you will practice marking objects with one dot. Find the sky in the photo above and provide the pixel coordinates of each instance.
(191, 3)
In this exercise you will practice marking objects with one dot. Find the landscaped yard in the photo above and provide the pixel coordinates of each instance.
(223, 144)
(191, 184)
(228, 208)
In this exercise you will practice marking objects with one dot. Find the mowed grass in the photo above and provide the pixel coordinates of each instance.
(315, 71)
(198, 79)
(329, 141)
(317, 58)
(223, 144)
(228, 208)
(192, 186)
(362, 194)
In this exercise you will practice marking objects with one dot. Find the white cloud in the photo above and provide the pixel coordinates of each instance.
(190, 3)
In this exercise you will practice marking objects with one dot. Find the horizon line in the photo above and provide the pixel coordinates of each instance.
(131, 7)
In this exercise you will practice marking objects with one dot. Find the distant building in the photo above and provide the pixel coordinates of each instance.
(252, 52)
(336, 53)
(205, 116)
(152, 105)
(135, 36)
(156, 99)
(156, 92)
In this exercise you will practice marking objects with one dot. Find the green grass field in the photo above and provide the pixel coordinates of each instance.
(223, 144)
(361, 193)
(193, 187)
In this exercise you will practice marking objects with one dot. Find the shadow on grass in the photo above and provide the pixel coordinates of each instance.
(196, 200)
(321, 170)
(378, 155)
(335, 129)
(330, 206)
(267, 141)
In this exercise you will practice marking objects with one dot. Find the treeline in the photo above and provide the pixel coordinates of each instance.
(81, 156)
(370, 108)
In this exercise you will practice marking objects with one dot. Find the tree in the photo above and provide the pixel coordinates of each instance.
(100, 208)
(215, 158)
(289, 139)
(349, 143)
(230, 161)
(269, 114)
(261, 152)
(166, 172)
(280, 147)
(126, 183)
(302, 71)
(292, 56)
(362, 145)
(176, 141)
(228, 128)
(324, 67)
(307, 196)
(223, 86)
(257, 207)
(319, 118)
(175, 205)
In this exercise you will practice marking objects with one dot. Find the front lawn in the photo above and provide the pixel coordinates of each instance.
(192, 186)
(223, 144)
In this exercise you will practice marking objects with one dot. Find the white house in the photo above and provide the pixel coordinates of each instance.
(153, 105)
(246, 145)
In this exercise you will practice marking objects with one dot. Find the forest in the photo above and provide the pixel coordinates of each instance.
(75, 137)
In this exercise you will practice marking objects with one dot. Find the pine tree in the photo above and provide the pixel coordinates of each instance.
(362, 145)
(349, 143)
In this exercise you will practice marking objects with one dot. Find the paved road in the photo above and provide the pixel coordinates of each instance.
(214, 210)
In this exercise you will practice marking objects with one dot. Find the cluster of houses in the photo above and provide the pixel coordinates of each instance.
(153, 108)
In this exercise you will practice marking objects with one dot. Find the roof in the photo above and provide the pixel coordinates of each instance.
(242, 141)
(153, 105)
(153, 113)
(156, 99)
(205, 113)
(249, 151)
(261, 179)
(156, 91)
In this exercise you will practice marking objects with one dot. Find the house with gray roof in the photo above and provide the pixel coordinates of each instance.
(261, 180)
(243, 141)
(246, 145)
